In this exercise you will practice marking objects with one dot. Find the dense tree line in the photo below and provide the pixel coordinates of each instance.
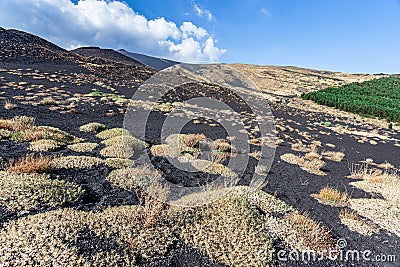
(379, 98)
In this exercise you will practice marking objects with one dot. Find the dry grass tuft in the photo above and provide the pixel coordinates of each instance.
(334, 156)
(334, 195)
(292, 159)
(193, 140)
(310, 162)
(30, 164)
(153, 201)
(222, 145)
(18, 123)
(348, 214)
(9, 105)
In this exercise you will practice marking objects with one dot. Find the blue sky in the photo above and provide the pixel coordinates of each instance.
(339, 35)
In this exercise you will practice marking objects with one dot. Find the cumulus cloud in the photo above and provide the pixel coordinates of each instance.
(111, 24)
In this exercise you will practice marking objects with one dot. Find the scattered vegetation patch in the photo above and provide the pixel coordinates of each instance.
(83, 147)
(23, 129)
(116, 151)
(93, 127)
(213, 168)
(356, 223)
(44, 145)
(384, 213)
(61, 237)
(310, 162)
(118, 163)
(378, 98)
(30, 164)
(313, 235)
(18, 123)
(32, 191)
(126, 140)
(334, 156)
(79, 162)
(110, 133)
(211, 232)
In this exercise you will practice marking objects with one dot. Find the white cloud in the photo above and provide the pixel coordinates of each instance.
(108, 24)
(264, 11)
(202, 12)
(189, 28)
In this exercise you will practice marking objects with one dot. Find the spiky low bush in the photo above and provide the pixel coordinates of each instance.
(78, 162)
(83, 147)
(213, 168)
(5, 133)
(18, 123)
(118, 163)
(30, 164)
(117, 151)
(230, 231)
(110, 133)
(68, 237)
(26, 192)
(127, 141)
(93, 127)
(44, 145)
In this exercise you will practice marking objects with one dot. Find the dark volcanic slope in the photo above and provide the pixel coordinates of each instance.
(154, 62)
(109, 54)
(17, 46)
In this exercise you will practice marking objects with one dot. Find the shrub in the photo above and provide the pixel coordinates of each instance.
(121, 152)
(213, 168)
(110, 133)
(44, 145)
(32, 191)
(83, 147)
(118, 163)
(79, 162)
(222, 145)
(230, 231)
(94, 127)
(192, 140)
(30, 164)
(127, 140)
(18, 123)
(153, 200)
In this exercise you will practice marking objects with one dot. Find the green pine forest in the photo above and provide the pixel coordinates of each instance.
(375, 98)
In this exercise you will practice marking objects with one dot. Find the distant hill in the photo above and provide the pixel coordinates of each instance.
(109, 54)
(24, 49)
(18, 46)
(154, 62)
